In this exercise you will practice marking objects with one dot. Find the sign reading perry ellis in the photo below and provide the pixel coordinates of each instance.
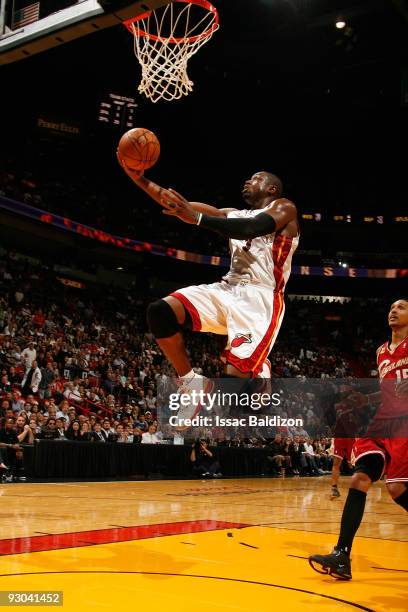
(59, 127)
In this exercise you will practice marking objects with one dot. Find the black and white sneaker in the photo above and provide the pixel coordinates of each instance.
(189, 394)
(337, 564)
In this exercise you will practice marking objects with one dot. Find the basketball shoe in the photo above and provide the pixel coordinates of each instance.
(337, 564)
(334, 492)
(190, 396)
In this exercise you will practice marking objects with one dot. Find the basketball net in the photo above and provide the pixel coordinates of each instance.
(164, 41)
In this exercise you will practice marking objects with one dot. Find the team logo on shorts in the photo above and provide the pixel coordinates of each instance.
(241, 339)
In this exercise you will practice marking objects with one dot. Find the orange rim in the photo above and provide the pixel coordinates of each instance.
(130, 24)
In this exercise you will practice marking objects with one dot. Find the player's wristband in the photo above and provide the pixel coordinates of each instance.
(200, 216)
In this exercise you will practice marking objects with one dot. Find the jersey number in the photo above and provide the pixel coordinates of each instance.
(401, 374)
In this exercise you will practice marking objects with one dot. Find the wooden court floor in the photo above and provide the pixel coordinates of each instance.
(231, 545)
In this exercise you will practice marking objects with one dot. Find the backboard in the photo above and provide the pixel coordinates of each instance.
(80, 19)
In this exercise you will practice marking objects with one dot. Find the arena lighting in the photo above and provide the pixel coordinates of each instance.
(119, 268)
(344, 265)
(340, 24)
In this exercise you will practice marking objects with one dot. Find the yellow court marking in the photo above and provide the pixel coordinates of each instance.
(254, 568)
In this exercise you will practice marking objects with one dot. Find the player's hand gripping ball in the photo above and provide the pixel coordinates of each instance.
(138, 149)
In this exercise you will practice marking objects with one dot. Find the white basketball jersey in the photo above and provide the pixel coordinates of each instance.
(265, 260)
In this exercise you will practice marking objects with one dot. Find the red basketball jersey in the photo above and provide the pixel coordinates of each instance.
(392, 369)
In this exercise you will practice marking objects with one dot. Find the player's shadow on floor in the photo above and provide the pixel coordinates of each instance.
(120, 557)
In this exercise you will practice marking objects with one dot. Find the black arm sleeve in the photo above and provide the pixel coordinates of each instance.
(241, 229)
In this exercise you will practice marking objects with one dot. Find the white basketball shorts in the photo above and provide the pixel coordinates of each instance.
(249, 315)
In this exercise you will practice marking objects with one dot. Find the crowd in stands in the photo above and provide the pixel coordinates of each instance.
(82, 365)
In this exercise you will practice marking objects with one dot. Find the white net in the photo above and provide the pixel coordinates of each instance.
(165, 39)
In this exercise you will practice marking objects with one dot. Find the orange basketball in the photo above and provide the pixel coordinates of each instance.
(139, 148)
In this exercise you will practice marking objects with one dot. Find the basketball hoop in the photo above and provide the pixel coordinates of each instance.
(165, 39)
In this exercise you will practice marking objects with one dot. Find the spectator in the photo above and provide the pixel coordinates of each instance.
(72, 415)
(9, 441)
(150, 437)
(31, 409)
(72, 392)
(141, 423)
(41, 420)
(325, 460)
(5, 385)
(34, 427)
(287, 444)
(309, 455)
(29, 355)
(51, 408)
(49, 431)
(63, 408)
(97, 435)
(23, 430)
(19, 296)
(14, 377)
(122, 434)
(129, 432)
(72, 432)
(47, 378)
(204, 463)
(298, 460)
(278, 455)
(107, 431)
(5, 407)
(137, 435)
(32, 379)
(17, 403)
(150, 401)
(60, 427)
(85, 433)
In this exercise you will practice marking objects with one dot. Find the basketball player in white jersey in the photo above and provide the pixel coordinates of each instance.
(247, 305)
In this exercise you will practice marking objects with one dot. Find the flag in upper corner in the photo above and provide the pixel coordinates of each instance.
(25, 16)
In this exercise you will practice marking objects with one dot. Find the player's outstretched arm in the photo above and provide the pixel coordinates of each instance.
(267, 222)
(157, 193)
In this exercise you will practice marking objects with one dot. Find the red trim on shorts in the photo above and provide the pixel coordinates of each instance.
(192, 310)
(254, 363)
(369, 452)
(281, 248)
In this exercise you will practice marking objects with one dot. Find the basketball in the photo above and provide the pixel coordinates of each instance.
(139, 148)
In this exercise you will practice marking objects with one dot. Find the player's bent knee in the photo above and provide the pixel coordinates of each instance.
(371, 466)
(360, 480)
(162, 320)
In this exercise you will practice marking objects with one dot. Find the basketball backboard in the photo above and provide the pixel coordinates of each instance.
(80, 19)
